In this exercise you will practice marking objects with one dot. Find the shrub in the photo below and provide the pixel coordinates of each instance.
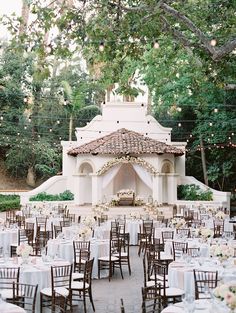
(43, 196)
(9, 202)
(193, 192)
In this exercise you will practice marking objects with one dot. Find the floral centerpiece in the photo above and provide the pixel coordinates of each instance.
(114, 201)
(177, 222)
(85, 232)
(206, 232)
(125, 192)
(134, 215)
(100, 209)
(220, 215)
(211, 210)
(88, 221)
(24, 250)
(138, 201)
(227, 294)
(223, 252)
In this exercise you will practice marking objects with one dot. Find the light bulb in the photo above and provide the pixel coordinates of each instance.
(156, 45)
(215, 110)
(101, 47)
(213, 42)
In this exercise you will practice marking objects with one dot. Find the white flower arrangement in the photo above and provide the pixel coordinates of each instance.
(211, 210)
(220, 215)
(88, 221)
(206, 232)
(138, 201)
(114, 201)
(134, 215)
(127, 159)
(85, 232)
(222, 251)
(227, 294)
(177, 222)
(24, 250)
(100, 209)
(125, 192)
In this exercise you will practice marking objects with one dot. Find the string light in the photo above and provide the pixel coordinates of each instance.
(213, 42)
(58, 122)
(29, 119)
(156, 45)
(179, 109)
(215, 110)
(101, 46)
(1, 118)
(179, 125)
(50, 130)
(210, 124)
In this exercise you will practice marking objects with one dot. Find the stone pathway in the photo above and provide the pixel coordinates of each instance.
(107, 294)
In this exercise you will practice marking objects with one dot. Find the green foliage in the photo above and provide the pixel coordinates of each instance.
(86, 114)
(9, 202)
(193, 192)
(43, 196)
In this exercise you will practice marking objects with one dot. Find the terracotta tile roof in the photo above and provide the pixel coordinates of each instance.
(125, 141)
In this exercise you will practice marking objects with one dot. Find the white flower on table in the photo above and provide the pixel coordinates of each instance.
(24, 250)
(134, 215)
(227, 293)
(88, 221)
(206, 233)
(85, 232)
(177, 222)
(222, 251)
(220, 215)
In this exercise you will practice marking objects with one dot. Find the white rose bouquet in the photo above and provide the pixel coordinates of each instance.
(134, 215)
(222, 251)
(220, 215)
(206, 233)
(88, 221)
(227, 294)
(24, 250)
(177, 222)
(85, 232)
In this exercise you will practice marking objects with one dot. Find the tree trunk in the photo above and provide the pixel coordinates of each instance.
(203, 156)
(24, 17)
(31, 179)
(70, 127)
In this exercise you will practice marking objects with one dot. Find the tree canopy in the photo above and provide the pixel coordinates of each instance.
(64, 54)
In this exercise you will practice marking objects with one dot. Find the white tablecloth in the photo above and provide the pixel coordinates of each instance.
(6, 307)
(201, 306)
(8, 237)
(36, 272)
(180, 273)
(64, 249)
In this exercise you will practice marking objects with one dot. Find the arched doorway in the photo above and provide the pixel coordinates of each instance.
(167, 168)
(85, 170)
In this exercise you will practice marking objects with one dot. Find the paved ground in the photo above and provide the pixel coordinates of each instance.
(107, 294)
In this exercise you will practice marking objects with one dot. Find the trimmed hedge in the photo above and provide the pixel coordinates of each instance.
(43, 196)
(193, 192)
(9, 202)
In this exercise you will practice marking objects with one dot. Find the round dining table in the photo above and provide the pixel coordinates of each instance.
(6, 307)
(36, 271)
(63, 248)
(197, 306)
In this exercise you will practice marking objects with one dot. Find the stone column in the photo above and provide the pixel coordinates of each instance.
(96, 189)
(78, 188)
(157, 188)
(172, 187)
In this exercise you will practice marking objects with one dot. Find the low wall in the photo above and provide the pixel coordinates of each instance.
(221, 198)
(54, 185)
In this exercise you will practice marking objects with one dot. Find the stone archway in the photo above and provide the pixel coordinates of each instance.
(166, 168)
(85, 170)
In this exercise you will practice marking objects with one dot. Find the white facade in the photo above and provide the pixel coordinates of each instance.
(81, 173)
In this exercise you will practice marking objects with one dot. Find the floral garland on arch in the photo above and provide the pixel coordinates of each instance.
(127, 159)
